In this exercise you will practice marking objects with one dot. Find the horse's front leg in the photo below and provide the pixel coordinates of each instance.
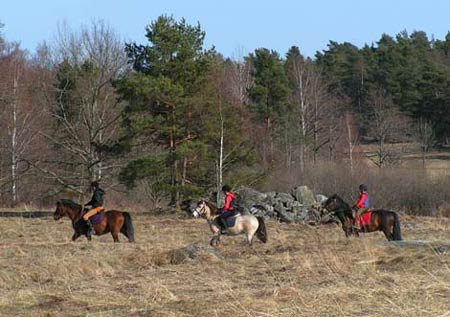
(75, 236)
(346, 231)
(215, 240)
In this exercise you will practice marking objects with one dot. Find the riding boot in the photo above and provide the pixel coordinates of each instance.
(356, 225)
(90, 229)
(224, 223)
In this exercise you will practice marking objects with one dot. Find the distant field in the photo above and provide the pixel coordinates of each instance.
(437, 161)
(301, 271)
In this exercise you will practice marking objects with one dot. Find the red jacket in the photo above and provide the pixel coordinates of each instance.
(228, 202)
(363, 201)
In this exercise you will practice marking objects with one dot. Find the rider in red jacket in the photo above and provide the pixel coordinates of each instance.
(228, 209)
(363, 202)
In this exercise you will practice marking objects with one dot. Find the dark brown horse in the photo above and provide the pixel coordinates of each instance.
(113, 221)
(380, 220)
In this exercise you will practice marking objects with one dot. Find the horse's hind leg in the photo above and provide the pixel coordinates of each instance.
(249, 241)
(115, 235)
(389, 236)
(250, 238)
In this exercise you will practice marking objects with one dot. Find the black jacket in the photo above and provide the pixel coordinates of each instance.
(97, 198)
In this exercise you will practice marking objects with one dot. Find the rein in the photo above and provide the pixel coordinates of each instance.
(204, 213)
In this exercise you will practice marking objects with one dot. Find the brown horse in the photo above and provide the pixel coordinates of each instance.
(111, 221)
(380, 219)
(247, 224)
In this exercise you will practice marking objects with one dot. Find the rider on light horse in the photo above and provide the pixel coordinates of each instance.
(228, 209)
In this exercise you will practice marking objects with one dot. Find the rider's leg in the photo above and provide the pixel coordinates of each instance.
(86, 216)
(90, 229)
(359, 213)
(355, 220)
(223, 221)
(92, 212)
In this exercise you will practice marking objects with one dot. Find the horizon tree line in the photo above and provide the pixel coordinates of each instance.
(179, 120)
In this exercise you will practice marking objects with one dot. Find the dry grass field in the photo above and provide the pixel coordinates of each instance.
(301, 271)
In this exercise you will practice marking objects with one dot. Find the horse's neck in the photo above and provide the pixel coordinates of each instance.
(74, 214)
(345, 206)
(212, 210)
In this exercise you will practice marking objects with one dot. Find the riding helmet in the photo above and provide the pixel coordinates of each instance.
(226, 188)
(363, 187)
(95, 184)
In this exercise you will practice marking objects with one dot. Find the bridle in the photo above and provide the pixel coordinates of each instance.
(200, 210)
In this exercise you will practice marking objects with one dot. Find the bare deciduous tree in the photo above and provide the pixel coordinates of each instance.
(20, 115)
(423, 133)
(83, 103)
(386, 122)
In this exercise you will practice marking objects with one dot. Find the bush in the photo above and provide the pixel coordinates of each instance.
(396, 188)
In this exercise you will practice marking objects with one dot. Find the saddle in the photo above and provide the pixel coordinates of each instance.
(231, 220)
(97, 218)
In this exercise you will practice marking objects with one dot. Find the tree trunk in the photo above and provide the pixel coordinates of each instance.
(14, 136)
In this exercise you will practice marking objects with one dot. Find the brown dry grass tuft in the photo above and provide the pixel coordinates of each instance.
(302, 271)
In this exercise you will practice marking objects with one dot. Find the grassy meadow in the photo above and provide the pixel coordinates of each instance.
(302, 271)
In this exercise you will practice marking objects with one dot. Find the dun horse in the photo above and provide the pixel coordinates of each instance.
(113, 221)
(239, 224)
(377, 219)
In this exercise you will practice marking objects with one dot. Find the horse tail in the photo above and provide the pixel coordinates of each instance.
(127, 228)
(397, 234)
(261, 232)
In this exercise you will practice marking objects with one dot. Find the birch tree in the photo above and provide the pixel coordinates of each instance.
(20, 116)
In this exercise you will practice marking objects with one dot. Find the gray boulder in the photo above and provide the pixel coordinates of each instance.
(284, 198)
(283, 214)
(321, 198)
(304, 195)
(247, 197)
(193, 251)
(263, 210)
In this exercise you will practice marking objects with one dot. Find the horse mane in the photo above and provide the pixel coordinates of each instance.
(70, 203)
(210, 205)
(344, 207)
(337, 197)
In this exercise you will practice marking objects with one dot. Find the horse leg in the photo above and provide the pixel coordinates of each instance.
(115, 235)
(215, 240)
(75, 236)
(250, 239)
(389, 236)
(385, 227)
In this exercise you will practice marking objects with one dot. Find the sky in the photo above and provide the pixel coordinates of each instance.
(234, 27)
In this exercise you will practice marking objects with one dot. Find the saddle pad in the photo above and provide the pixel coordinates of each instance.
(231, 221)
(364, 219)
(97, 218)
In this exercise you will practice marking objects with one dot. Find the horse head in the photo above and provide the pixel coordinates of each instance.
(60, 210)
(341, 209)
(202, 209)
(66, 207)
(333, 203)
